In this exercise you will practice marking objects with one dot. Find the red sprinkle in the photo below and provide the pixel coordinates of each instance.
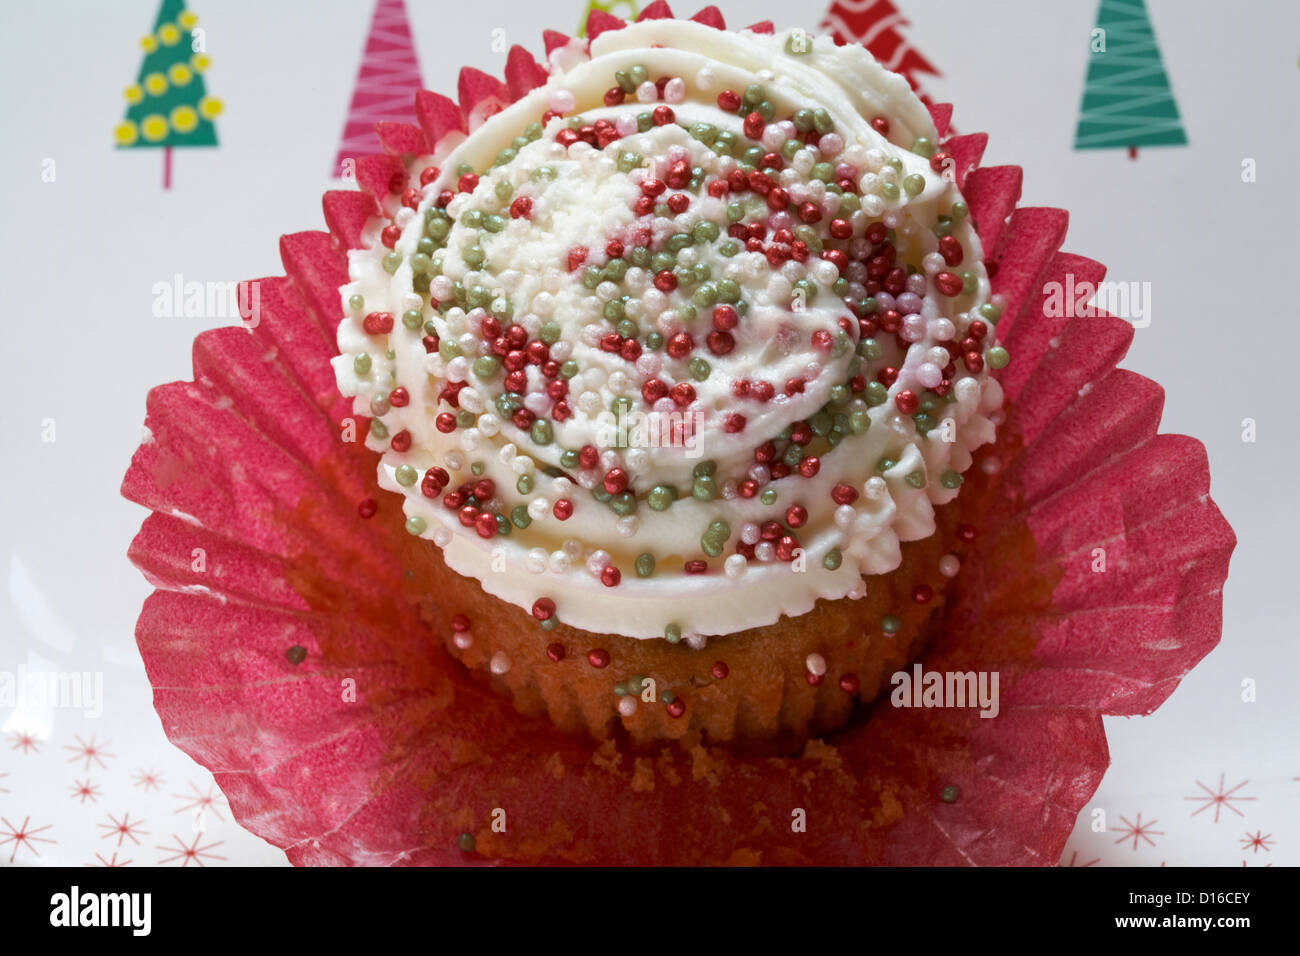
(907, 402)
(401, 442)
(948, 284)
(849, 683)
(563, 509)
(719, 670)
(555, 652)
(459, 623)
(521, 208)
(598, 657)
(399, 397)
(922, 594)
(367, 507)
(378, 323)
(665, 281)
(729, 100)
(467, 182)
(390, 235)
(676, 708)
(610, 576)
(577, 256)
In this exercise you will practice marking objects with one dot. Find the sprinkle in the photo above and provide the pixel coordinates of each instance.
(815, 664)
(950, 794)
(296, 654)
(500, 664)
(598, 658)
(555, 652)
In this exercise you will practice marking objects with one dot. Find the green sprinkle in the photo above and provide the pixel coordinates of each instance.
(876, 394)
(923, 147)
(660, 498)
(638, 74)
(990, 313)
(997, 357)
(620, 689)
(465, 842)
(950, 793)
(832, 560)
(415, 525)
(378, 429)
(753, 95)
(623, 503)
(392, 261)
(549, 332)
(361, 364)
(768, 497)
(704, 489)
(699, 368)
(673, 635)
(356, 303)
(822, 121)
(914, 184)
(824, 172)
(891, 624)
(477, 468)
(915, 478)
(412, 319)
(889, 191)
(524, 485)
(950, 479)
(520, 517)
(540, 432)
(645, 564)
(485, 366)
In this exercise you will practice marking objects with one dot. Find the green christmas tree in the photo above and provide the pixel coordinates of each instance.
(168, 104)
(623, 9)
(1126, 99)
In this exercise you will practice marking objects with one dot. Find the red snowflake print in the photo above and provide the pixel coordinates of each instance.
(24, 835)
(1220, 798)
(1138, 831)
(147, 780)
(85, 790)
(124, 829)
(1259, 841)
(25, 742)
(200, 802)
(111, 861)
(193, 852)
(88, 751)
(1074, 861)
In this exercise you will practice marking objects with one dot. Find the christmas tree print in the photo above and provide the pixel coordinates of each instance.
(1127, 101)
(623, 9)
(387, 81)
(876, 25)
(168, 104)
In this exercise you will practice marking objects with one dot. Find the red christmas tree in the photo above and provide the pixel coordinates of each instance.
(387, 81)
(875, 24)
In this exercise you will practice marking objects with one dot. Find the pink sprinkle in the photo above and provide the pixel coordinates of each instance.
(675, 91)
(832, 144)
(625, 125)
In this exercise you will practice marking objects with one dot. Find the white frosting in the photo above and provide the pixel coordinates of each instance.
(582, 198)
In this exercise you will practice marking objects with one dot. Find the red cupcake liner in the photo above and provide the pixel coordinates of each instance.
(378, 748)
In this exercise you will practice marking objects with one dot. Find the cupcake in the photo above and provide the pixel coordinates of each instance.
(669, 359)
(407, 650)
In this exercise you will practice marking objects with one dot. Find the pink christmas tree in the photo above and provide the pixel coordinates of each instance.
(876, 25)
(387, 81)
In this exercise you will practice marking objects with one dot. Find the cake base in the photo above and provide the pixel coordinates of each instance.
(755, 685)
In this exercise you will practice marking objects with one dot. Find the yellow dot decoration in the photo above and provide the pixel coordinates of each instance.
(125, 133)
(188, 20)
(133, 94)
(154, 127)
(180, 74)
(169, 34)
(210, 107)
(184, 119)
(200, 62)
(155, 84)
(148, 44)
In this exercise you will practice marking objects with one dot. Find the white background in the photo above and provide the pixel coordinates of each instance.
(81, 254)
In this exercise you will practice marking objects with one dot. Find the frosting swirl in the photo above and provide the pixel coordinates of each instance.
(688, 337)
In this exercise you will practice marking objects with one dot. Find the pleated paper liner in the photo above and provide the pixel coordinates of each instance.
(286, 657)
